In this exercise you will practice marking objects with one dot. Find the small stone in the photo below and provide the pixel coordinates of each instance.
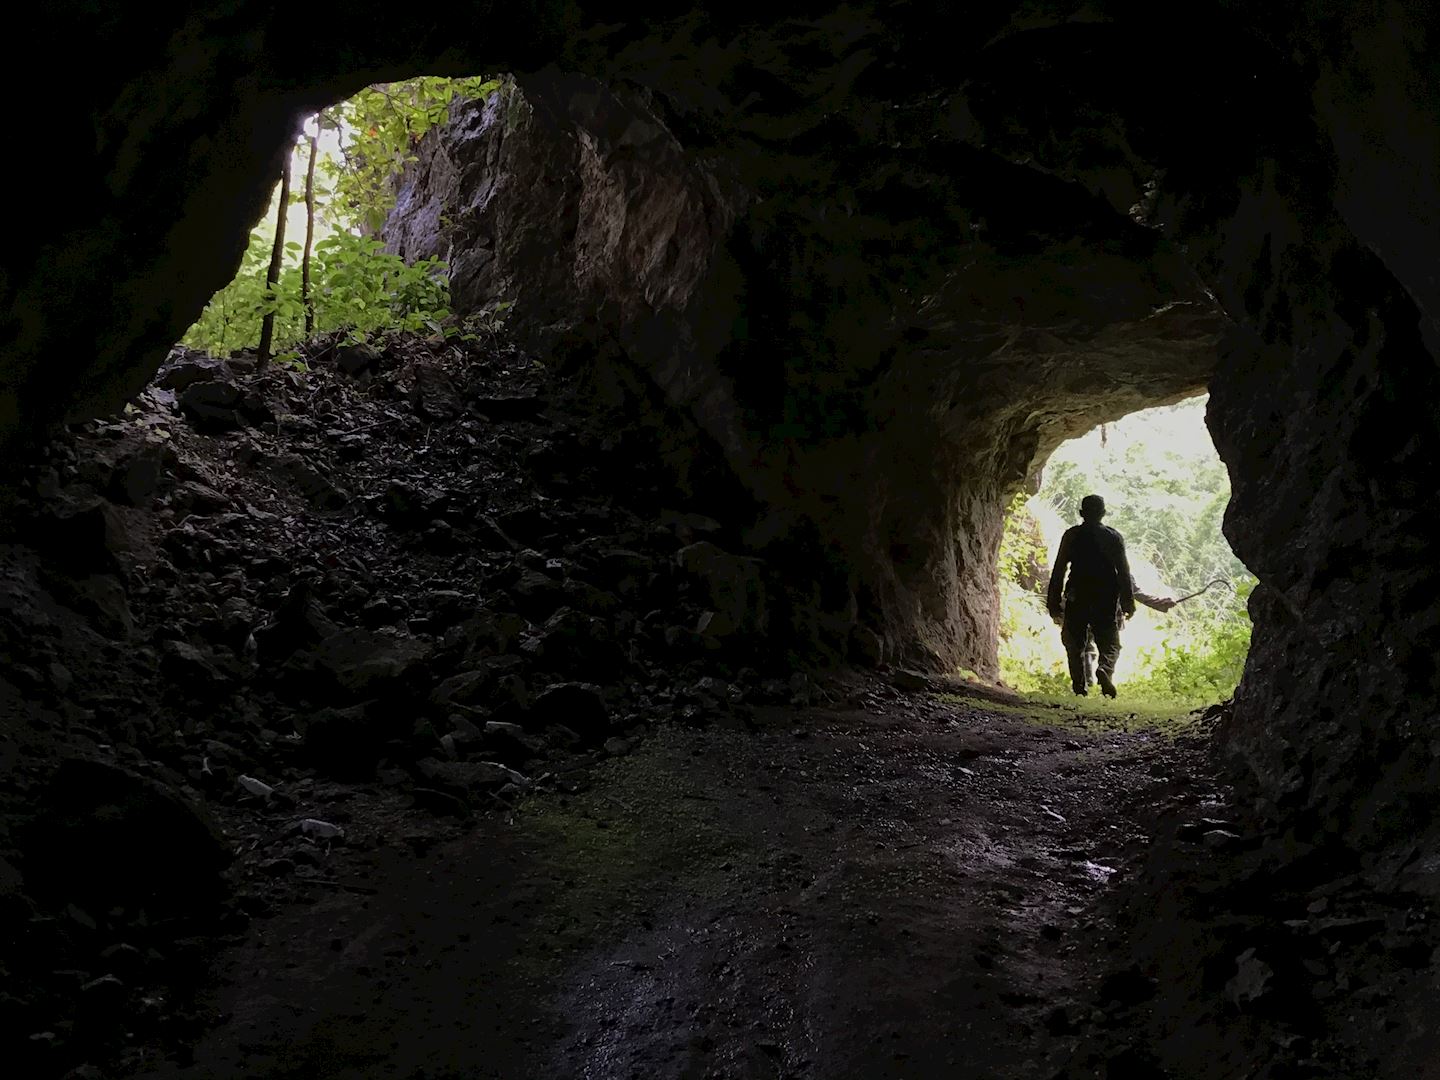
(321, 830)
(909, 681)
(212, 405)
(108, 984)
(355, 360)
(1251, 980)
(256, 787)
(1220, 839)
(577, 706)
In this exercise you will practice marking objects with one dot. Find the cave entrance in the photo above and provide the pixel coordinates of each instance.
(1166, 491)
(319, 269)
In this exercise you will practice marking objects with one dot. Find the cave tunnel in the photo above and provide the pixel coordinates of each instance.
(864, 269)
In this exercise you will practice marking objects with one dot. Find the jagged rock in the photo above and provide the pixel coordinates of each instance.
(867, 647)
(690, 527)
(86, 533)
(1251, 981)
(361, 663)
(577, 706)
(434, 396)
(358, 359)
(101, 596)
(139, 475)
(537, 595)
(347, 742)
(464, 687)
(440, 802)
(189, 667)
(910, 681)
(300, 622)
(469, 776)
(212, 405)
(185, 368)
(576, 644)
(403, 503)
(311, 483)
(104, 836)
(509, 406)
(508, 743)
(735, 588)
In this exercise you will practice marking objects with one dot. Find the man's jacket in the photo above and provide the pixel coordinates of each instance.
(1099, 571)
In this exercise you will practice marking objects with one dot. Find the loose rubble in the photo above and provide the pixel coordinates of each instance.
(278, 616)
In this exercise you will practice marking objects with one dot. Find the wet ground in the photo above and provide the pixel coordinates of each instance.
(904, 886)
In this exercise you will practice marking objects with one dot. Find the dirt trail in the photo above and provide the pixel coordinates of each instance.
(902, 889)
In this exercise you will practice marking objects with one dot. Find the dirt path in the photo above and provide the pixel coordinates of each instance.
(903, 889)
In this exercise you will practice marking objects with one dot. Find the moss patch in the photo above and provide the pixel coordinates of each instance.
(1097, 715)
(642, 834)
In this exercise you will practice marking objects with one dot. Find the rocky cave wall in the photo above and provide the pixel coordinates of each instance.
(880, 378)
(913, 247)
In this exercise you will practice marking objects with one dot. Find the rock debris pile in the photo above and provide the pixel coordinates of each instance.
(270, 618)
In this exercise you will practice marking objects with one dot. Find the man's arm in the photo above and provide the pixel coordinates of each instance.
(1057, 578)
(1159, 603)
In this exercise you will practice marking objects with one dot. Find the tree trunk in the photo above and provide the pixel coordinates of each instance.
(305, 297)
(272, 276)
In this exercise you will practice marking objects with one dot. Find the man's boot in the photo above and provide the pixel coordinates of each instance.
(1106, 686)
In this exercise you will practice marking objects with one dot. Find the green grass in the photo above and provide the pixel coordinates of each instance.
(1097, 714)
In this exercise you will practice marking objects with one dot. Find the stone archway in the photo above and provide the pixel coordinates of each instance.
(919, 266)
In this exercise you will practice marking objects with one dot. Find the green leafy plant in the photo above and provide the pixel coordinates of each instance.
(388, 121)
(345, 280)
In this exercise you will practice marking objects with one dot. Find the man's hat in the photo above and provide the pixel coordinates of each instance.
(1092, 506)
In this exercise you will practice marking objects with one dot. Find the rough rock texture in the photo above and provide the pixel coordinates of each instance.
(936, 239)
(880, 435)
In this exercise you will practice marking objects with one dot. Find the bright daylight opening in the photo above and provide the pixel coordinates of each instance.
(1165, 491)
(316, 268)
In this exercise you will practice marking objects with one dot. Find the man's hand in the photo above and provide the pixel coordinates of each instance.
(1057, 617)
(1166, 604)
(1129, 610)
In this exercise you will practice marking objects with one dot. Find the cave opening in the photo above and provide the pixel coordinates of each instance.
(864, 267)
(1165, 491)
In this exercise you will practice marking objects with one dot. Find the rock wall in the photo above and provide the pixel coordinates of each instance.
(880, 430)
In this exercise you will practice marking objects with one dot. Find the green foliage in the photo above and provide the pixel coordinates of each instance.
(355, 284)
(1168, 501)
(386, 122)
(1203, 661)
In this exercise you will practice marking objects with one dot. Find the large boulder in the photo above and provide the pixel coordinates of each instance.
(104, 836)
(734, 587)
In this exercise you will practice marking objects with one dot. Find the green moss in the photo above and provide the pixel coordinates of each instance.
(639, 836)
(1095, 714)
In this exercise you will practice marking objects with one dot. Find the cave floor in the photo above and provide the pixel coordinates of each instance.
(895, 887)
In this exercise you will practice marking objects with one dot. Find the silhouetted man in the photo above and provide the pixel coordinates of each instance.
(1098, 594)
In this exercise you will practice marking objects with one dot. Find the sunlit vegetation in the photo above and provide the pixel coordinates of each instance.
(1166, 490)
(329, 271)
